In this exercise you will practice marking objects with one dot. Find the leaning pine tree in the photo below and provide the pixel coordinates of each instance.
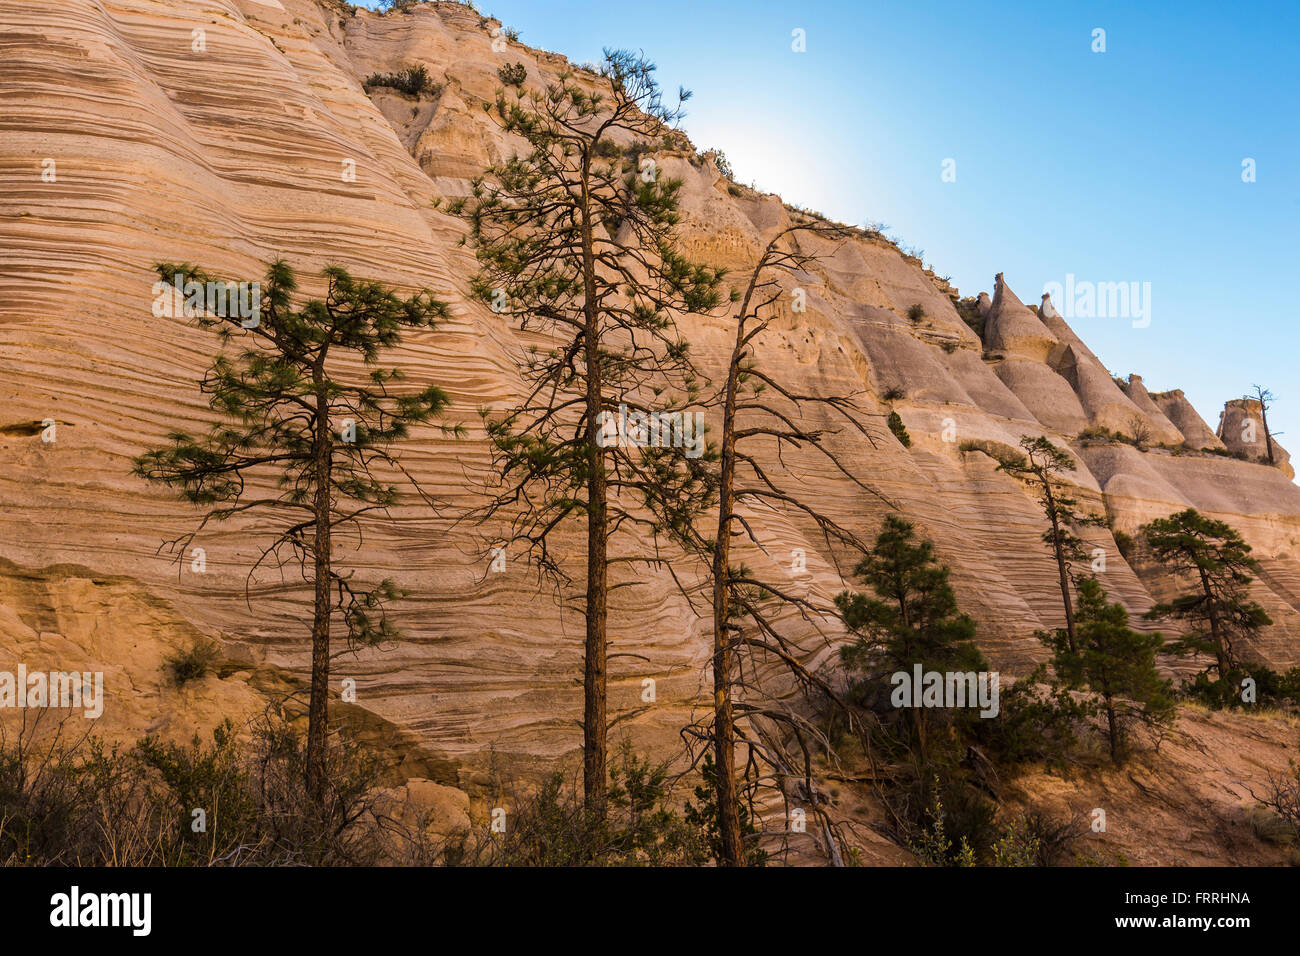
(303, 432)
(1041, 468)
(575, 238)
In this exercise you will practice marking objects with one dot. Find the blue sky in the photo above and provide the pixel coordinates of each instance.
(1115, 166)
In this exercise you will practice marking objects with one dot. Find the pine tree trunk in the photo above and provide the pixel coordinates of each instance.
(1060, 564)
(594, 683)
(318, 708)
(1220, 651)
(1114, 737)
(724, 744)
(1268, 436)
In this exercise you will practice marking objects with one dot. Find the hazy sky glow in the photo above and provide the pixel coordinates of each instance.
(1122, 166)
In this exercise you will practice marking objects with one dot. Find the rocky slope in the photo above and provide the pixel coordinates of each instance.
(228, 132)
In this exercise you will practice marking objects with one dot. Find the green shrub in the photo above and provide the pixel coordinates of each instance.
(1096, 433)
(513, 74)
(899, 429)
(1049, 838)
(1271, 688)
(412, 81)
(1225, 453)
(1124, 541)
(932, 846)
(58, 803)
(85, 805)
(894, 394)
(1099, 433)
(1036, 723)
(550, 827)
(209, 779)
(1019, 845)
(959, 828)
(968, 309)
(724, 165)
(194, 663)
(956, 826)
(916, 313)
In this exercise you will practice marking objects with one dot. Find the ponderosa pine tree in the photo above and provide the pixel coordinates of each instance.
(913, 618)
(576, 244)
(307, 422)
(1041, 468)
(1213, 555)
(1114, 662)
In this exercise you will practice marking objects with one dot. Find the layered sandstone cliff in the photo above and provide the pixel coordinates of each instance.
(261, 141)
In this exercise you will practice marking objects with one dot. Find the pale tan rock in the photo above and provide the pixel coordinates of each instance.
(237, 155)
(1139, 396)
(1180, 412)
(1046, 393)
(67, 618)
(1241, 429)
(1106, 405)
(1012, 328)
(446, 807)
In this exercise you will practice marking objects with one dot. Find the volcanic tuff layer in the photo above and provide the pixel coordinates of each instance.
(233, 155)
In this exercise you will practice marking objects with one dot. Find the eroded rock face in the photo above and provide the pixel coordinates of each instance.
(1241, 430)
(231, 157)
(68, 618)
(1012, 328)
(1141, 398)
(442, 811)
(1185, 418)
(1104, 402)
